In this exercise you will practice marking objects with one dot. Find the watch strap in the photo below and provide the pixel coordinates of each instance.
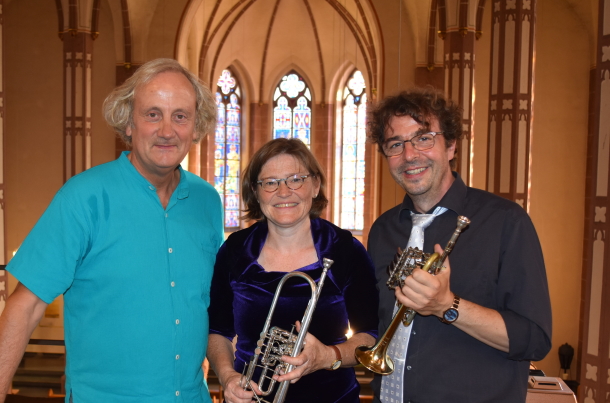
(337, 357)
(454, 307)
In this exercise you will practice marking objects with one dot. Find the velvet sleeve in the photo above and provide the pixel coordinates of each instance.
(523, 295)
(220, 310)
(361, 296)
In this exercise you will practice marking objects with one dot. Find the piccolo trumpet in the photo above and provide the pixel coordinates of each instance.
(275, 342)
(376, 358)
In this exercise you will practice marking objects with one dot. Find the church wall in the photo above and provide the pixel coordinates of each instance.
(33, 152)
(559, 141)
(158, 38)
(103, 81)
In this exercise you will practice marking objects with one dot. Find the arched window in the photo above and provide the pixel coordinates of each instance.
(227, 146)
(292, 109)
(351, 139)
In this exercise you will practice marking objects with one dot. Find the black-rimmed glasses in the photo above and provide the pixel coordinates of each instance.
(293, 182)
(421, 142)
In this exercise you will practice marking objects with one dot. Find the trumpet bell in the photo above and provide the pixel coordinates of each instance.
(375, 360)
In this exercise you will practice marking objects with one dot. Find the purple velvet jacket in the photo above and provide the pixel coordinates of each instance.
(242, 291)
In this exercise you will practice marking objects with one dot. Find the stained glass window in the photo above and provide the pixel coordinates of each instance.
(351, 139)
(292, 109)
(227, 146)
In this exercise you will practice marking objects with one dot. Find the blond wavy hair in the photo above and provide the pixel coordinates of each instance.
(118, 106)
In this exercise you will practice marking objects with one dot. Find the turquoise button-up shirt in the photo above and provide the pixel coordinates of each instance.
(135, 279)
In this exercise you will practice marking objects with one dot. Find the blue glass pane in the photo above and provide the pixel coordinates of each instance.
(283, 133)
(232, 201)
(231, 185)
(221, 115)
(219, 168)
(232, 169)
(219, 184)
(233, 151)
(231, 218)
(303, 135)
(233, 134)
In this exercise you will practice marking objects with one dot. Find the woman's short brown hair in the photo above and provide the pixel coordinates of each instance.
(273, 148)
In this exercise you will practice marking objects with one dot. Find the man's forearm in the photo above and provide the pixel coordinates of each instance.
(220, 355)
(484, 324)
(19, 319)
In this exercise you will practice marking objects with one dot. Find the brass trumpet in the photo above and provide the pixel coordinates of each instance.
(376, 358)
(276, 342)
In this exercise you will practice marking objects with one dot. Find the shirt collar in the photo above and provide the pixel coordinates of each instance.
(453, 200)
(181, 191)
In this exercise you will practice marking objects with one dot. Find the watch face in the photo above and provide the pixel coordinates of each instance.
(336, 364)
(450, 315)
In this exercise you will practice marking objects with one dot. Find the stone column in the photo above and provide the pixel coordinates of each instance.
(459, 73)
(510, 99)
(322, 145)
(77, 102)
(595, 305)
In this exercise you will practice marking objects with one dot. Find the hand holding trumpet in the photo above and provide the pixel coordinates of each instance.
(315, 356)
(425, 293)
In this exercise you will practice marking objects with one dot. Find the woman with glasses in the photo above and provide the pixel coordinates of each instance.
(283, 190)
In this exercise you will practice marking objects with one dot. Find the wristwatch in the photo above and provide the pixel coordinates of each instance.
(337, 363)
(451, 314)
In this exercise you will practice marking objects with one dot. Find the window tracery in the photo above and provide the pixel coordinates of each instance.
(292, 109)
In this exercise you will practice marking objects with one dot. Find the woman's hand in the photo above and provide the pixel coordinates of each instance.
(314, 356)
(235, 393)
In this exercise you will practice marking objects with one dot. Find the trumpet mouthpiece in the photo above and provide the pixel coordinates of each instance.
(463, 222)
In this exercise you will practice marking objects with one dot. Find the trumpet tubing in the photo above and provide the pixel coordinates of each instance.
(275, 342)
(376, 358)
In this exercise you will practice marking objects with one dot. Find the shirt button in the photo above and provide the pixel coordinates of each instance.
(151, 187)
(172, 284)
(177, 356)
(408, 368)
(414, 332)
(170, 250)
(165, 215)
(177, 321)
(177, 393)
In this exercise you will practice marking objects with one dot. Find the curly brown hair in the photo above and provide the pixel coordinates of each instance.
(273, 148)
(118, 106)
(422, 104)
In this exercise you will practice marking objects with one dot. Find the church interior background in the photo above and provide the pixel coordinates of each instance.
(533, 78)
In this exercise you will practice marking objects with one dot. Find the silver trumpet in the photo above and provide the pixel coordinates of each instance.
(275, 342)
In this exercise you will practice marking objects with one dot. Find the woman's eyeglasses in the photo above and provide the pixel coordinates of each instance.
(293, 182)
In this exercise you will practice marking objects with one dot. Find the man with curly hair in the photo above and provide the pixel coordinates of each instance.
(131, 245)
(483, 317)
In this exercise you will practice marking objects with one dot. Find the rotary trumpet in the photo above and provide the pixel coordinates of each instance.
(275, 342)
(376, 358)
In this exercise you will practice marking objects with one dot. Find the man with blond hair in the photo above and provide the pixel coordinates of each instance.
(131, 245)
